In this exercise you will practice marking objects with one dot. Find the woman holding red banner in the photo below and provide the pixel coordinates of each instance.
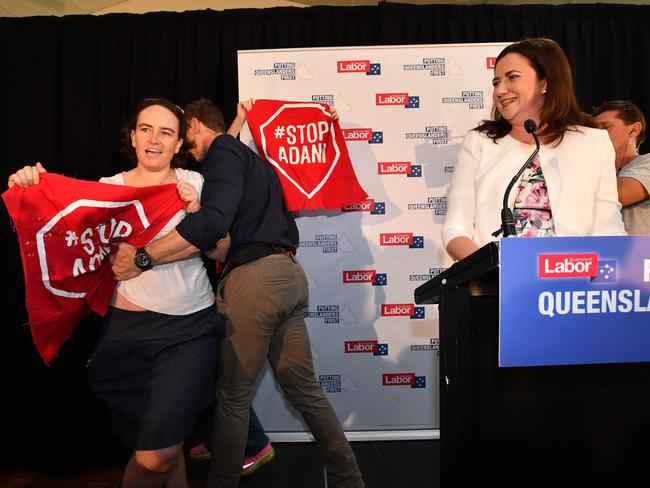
(568, 189)
(154, 362)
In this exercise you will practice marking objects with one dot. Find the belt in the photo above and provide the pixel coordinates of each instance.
(253, 252)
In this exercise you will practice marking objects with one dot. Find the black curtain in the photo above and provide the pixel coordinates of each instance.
(68, 84)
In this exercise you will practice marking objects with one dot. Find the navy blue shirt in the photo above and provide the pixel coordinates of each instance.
(241, 195)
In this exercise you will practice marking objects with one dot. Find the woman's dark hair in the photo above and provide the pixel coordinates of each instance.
(560, 111)
(627, 112)
(126, 147)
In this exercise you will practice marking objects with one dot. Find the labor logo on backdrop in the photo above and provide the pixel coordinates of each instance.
(307, 150)
(65, 230)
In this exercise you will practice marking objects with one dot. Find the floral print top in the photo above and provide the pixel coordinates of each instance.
(532, 209)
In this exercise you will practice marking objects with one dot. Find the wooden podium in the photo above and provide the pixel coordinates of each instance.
(551, 426)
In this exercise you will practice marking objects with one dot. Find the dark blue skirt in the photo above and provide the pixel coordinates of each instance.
(155, 372)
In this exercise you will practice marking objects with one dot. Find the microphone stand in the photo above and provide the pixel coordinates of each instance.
(507, 220)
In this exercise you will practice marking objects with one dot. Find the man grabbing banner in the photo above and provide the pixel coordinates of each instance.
(65, 230)
(308, 152)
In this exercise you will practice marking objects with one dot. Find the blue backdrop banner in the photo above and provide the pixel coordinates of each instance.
(574, 300)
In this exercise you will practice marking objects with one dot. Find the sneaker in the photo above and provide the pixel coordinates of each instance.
(200, 453)
(253, 463)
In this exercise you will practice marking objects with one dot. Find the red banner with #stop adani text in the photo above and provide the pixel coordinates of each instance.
(65, 230)
(307, 150)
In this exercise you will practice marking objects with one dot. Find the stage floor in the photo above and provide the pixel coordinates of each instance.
(387, 464)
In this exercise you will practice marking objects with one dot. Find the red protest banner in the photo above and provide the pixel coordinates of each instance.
(307, 149)
(65, 230)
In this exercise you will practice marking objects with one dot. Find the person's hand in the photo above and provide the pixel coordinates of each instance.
(243, 107)
(28, 176)
(334, 115)
(223, 246)
(123, 266)
(189, 195)
(220, 251)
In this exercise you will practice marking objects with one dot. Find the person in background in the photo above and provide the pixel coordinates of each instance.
(625, 124)
(569, 189)
(263, 293)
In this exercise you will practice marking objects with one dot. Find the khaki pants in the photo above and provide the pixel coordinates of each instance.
(264, 302)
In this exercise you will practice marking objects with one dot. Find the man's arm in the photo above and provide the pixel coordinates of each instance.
(630, 191)
(167, 249)
(223, 186)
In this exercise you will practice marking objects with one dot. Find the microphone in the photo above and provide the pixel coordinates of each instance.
(507, 220)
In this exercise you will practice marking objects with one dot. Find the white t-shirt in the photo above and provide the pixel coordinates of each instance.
(178, 288)
(637, 215)
(579, 175)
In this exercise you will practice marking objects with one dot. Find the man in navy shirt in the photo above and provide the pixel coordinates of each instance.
(263, 293)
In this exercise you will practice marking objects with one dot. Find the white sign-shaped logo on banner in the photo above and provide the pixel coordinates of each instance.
(337, 152)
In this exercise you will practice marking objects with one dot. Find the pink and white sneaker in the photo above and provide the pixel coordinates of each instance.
(200, 453)
(251, 464)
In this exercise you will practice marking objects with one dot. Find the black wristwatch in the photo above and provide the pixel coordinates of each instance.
(142, 259)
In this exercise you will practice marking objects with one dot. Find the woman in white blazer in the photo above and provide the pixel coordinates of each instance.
(569, 190)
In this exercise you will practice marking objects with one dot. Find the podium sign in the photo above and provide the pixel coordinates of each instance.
(574, 300)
